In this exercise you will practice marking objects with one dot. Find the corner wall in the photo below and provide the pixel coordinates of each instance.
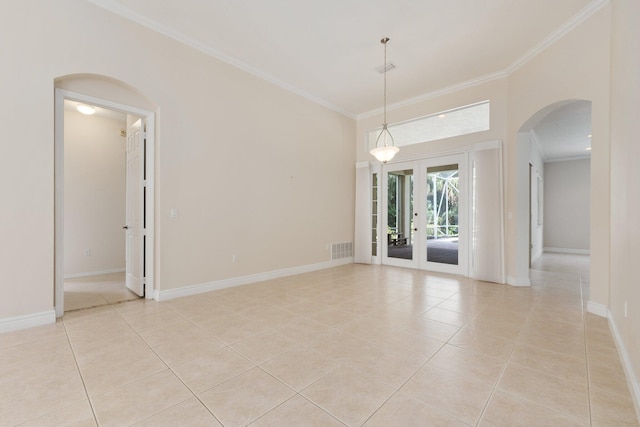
(574, 67)
(624, 307)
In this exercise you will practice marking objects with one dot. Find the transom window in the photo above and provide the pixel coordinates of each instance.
(445, 124)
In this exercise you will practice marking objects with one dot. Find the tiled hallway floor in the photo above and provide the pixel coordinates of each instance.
(94, 291)
(354, 345)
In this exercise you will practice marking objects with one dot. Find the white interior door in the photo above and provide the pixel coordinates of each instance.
(135, 208)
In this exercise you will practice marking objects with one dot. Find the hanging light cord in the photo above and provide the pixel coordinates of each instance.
(384, 42)
(385, 131)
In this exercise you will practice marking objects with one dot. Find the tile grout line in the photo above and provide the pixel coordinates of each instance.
(169, 368)
(586, 352)
(84, 385)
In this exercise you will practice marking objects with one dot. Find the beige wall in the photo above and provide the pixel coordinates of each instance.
(253, 170)
(94, 193)
(567, 204)
(625, 178)
(575, 67)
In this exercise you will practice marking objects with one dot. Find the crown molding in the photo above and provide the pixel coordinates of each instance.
(556, 35)
(579, 18)
(567, 159)
(131, 15)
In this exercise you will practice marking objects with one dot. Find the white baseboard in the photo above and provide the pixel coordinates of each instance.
(518, 281)
(567, 251)
(598, 309)
(632, 379)
(93, 273)
(168, 294)
(27, 321)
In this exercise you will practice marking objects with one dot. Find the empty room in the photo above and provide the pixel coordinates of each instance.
(319, 213)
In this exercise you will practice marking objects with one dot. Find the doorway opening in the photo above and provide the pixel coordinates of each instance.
(425, 214)
(553, 181)
(104, 203)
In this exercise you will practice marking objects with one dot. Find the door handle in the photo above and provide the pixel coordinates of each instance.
(415, 229)
(126, 227)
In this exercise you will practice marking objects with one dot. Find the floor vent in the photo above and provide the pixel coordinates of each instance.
(341, 250)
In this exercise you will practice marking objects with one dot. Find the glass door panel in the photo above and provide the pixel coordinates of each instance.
(442, 228)
(398, 233)
(444, 246)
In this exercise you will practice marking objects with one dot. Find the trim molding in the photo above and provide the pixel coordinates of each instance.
(27, 321)
(568, 159)
(597, 309)
(518, 281)
(632, 380)
(168, 294)
(127, 13)
(556, 35)
(94, 273)
(567, 251)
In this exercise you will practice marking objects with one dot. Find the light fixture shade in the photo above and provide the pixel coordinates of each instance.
(385, 153)
(86, 109)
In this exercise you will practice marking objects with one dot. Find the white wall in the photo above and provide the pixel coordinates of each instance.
(567, 206)
(624, 307)
(253, 170)
(94, 193)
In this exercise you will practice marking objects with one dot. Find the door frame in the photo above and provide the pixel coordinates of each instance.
(419, 167)
(464, 214)
(383, 184)
(149, 117)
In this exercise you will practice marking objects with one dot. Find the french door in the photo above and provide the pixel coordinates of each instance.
(425, 214)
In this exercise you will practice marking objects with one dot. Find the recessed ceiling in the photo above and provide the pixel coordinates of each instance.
(328, 50)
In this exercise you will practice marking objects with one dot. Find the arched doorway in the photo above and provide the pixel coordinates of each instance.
(110, 94)
(556, 138)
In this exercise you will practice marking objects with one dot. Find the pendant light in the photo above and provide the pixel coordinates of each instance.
(385, 151)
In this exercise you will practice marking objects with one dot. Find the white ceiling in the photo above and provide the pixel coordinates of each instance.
(102, 112)
(327, 50)
(564, 133)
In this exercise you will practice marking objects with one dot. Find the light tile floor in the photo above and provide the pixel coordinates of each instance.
(354, 345)
(94, 291)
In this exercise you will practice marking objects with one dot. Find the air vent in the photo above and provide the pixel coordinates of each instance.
(341, 250)
(387, 67)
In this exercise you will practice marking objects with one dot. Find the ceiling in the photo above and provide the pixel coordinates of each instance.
(564, 133)
(101, 112)
(328, 50)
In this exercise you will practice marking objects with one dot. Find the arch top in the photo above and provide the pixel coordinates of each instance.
(105, 87)
(537, 117)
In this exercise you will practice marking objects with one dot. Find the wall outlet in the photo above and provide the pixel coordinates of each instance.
(87, 252)
(234, 258)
